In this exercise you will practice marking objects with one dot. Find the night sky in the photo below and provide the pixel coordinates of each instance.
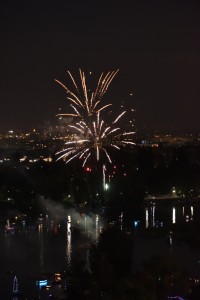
(155, 44)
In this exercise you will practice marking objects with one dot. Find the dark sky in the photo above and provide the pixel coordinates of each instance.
(155, 44)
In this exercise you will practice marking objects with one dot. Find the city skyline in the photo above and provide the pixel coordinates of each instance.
(155, 46)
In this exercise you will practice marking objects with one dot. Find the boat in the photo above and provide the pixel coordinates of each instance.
(15, 290)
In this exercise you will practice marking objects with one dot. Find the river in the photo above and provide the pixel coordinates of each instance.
(49, 245)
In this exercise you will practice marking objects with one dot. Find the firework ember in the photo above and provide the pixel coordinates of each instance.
(90, 134)
(83, 101)
(94, 137)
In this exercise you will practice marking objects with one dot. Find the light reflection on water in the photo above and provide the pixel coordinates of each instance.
(41, 247)
(159, 215)
(50, 247)
(146, 217)
(174, 215)
(69, 243)
(97, 228)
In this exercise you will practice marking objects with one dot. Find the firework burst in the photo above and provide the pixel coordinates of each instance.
(83, 101)
(94, 137)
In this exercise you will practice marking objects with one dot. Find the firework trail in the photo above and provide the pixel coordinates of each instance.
(94, 137)
(82, 101)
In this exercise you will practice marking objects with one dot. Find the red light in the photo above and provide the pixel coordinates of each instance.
(88, 169)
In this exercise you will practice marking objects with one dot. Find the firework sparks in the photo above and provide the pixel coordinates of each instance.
(84, 102)
(90, 135)
(94, 137)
